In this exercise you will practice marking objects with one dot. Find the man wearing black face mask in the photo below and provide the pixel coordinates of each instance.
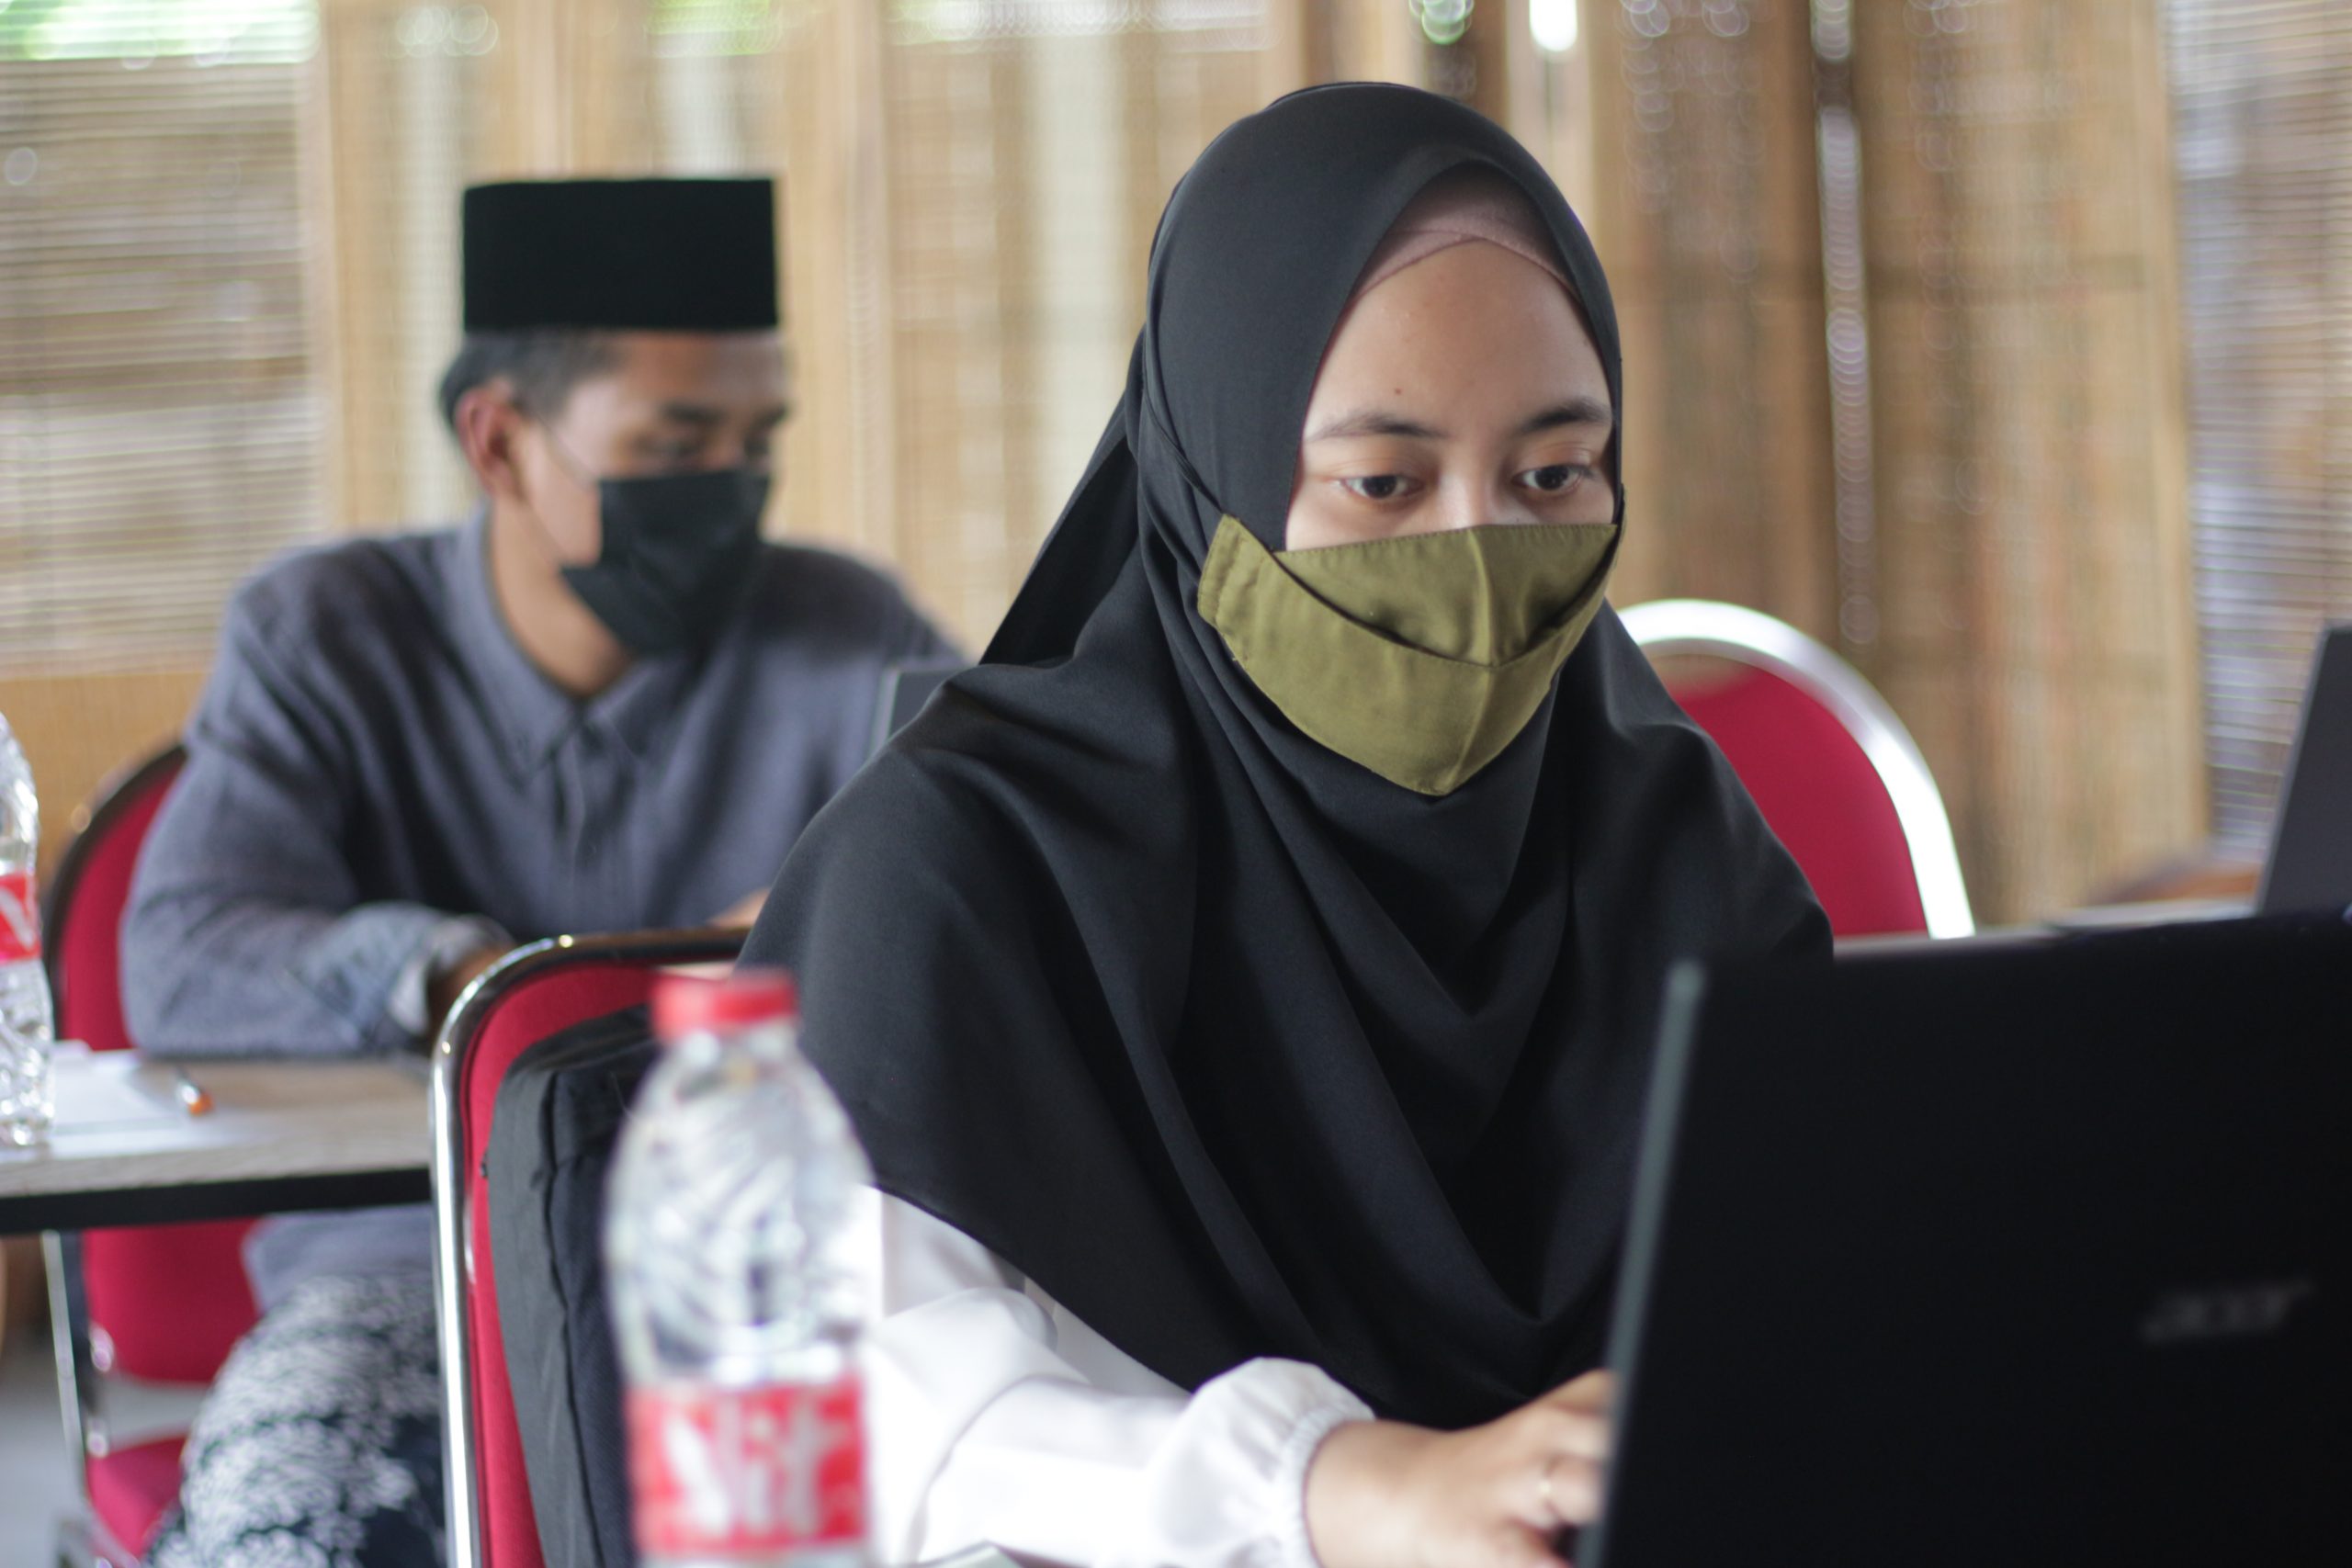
(602, 704)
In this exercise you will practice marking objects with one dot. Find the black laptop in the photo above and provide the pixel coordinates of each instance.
(2309, 862)
(2311, 848)
(1997, 1254)
(905, 689)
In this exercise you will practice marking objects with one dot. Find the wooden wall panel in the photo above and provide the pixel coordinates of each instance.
(1705, 211)
(78, 729)
(2017, 583)
(2034, 620)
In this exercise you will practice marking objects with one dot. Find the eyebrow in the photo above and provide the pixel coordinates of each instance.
(1575, 410)
(1373, 422)
(707, 418)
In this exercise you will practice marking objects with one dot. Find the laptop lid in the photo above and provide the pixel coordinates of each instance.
(905, 688)
(2311, 848)
(2018, 1254)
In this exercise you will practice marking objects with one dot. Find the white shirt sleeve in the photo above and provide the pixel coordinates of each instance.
(998, 1417)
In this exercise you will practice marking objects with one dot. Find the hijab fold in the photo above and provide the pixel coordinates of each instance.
(1233, 1046)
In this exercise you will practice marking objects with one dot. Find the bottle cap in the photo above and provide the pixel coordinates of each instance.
(684, 1005)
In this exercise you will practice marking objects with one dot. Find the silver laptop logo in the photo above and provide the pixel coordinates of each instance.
(2228, 1312)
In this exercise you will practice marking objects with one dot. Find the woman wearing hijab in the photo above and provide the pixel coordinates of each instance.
(1244, 980)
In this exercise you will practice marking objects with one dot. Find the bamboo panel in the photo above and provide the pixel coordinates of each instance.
(1370, 40)
(1552, 114)
(157, 422)
(416, 104)
(967, 204)
(78, 729)
(410, 110)
(1706, 212)
(1750, 522)
(2033, 621)
(2015, 577)
(1025, 173)
(2262, 99)
(838, 478)
(946, 426)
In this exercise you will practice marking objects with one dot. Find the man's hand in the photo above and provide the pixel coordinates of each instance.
(1386, 1494)
(443, 990)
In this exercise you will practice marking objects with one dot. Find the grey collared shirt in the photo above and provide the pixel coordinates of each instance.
(374, 759)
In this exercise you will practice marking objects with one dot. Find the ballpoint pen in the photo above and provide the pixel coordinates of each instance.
(191, 1094)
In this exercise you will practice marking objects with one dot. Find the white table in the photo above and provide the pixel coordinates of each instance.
(281, 1135)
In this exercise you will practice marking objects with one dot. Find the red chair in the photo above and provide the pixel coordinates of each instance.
(1833, 770)
(533, 993)
(162, 1302)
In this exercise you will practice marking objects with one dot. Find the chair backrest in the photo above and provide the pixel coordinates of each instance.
(533, 993)
(1833, 770)
(163, 1301)
(81, 918)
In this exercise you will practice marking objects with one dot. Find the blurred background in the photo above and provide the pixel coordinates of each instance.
(2003, 346)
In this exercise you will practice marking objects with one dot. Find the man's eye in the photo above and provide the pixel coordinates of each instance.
(1555, 478)
(1379, 487)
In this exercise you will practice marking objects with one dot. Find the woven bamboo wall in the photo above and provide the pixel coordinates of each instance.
(1705, 211)
(1981, 507)
(78, 729)
(2034, 621)
(1981, 502)
(966, 211)
(2262, 99)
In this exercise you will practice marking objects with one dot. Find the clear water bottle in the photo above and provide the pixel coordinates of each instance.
(740, 1278)
(25, 1023)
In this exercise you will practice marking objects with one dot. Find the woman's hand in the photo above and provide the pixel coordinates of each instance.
(1385, 1494)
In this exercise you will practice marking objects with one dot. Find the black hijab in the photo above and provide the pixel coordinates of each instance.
(1231, 1045)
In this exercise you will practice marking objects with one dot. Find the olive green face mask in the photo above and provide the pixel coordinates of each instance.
(1420, 658)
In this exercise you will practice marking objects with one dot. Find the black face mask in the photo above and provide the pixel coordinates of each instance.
(678, 552)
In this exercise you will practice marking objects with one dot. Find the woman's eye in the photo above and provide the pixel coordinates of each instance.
(1379, 487)
(1556, 479)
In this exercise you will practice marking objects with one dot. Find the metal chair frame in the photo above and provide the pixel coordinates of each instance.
(452, 1256)
(1667, 627)
(80, 1400)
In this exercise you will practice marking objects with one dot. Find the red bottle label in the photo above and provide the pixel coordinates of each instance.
(19, 917)
(748, 1473)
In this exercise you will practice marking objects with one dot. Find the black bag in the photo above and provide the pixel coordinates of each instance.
(559, 1110)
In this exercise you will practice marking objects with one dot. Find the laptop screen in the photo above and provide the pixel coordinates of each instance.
(2024, 1253)
(2311, 848)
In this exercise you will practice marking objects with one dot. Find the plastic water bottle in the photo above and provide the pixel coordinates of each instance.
(740, 1279)
(26, 1022)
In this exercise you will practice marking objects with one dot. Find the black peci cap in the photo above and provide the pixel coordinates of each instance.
(692, 255)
